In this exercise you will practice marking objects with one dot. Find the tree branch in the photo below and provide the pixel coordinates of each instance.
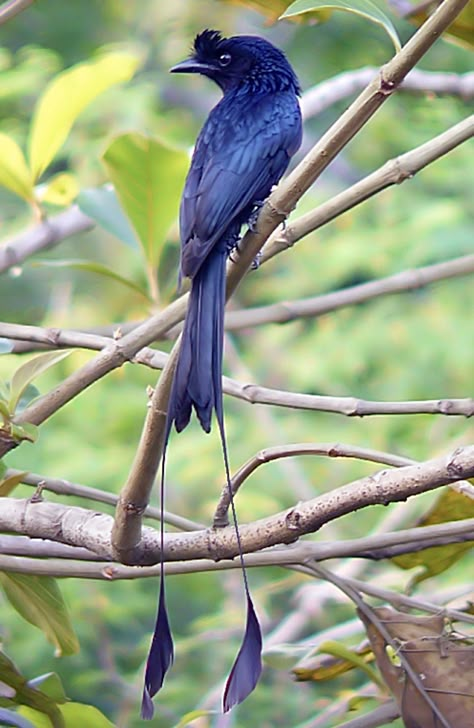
(333, 450)
(393, 172)
(83, 528)
(65, 487)
(407, 280)
(46, 235)
(11, 8)
(332, 90)
(274, 210)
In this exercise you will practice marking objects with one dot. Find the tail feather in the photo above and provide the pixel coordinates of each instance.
(198, 377)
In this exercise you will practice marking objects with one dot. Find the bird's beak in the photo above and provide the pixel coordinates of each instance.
(191, 65)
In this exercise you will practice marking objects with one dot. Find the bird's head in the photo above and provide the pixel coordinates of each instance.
(241, 59)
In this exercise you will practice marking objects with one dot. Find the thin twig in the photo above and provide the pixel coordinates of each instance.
(47, 234)
(332, 90)
(407, 280)
(66, 487)
(11, 8)
(269, 454)
(256, 394)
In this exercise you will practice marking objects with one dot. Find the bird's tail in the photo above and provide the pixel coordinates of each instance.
(197, 383)
(198, 377)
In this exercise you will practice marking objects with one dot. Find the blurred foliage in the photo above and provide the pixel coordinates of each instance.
(412, 346)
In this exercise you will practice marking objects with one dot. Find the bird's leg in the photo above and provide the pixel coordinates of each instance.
(232, 244)
(252, 221)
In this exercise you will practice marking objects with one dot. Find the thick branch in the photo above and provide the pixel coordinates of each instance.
(79, 527)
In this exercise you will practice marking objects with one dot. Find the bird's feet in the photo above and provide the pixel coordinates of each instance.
(252, 221)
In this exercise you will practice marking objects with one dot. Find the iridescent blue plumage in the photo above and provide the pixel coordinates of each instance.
(242, 151)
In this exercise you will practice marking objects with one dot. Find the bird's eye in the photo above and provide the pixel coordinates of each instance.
(224, 59)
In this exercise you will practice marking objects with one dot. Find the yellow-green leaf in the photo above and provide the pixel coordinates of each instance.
(66, 97)
(92, 267)
(364, 8)
(8, 484)
(59, 190)
(14, 172)
(28, 371)
(451, 505)
(39, 601)
(75, 715)
(148, 177)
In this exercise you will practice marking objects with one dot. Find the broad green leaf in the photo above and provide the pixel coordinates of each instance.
(364, 8)
(28, 371)
(66, 97)
(450, 505)
(102, 205)
(39, 601)
(60, 190)
(24, 694)
(50, 684)
(14, 172)
(8, 485)
(148, 177)
(76, 715)
(98, 268)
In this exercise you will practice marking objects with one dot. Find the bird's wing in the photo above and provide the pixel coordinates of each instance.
(242, 151)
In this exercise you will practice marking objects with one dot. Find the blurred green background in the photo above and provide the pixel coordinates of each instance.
(413, 346)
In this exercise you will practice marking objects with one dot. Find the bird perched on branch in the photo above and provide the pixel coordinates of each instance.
(241, 152)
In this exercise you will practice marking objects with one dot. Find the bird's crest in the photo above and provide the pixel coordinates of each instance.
(206, 44)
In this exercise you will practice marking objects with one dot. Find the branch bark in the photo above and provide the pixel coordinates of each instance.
(83, 528)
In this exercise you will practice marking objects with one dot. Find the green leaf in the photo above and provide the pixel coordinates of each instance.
(28, 371)
(24, 694)
(14, 172)
(39, 601)
(148, 177)
(98, 268)
(60, 190)
(450, 505)
(66, 97)
(102, 205)
(27, 431)
(8, 485)
(50, 684)
(364, 8)
(76, 715)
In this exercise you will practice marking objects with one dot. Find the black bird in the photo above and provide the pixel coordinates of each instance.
(242, 151)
